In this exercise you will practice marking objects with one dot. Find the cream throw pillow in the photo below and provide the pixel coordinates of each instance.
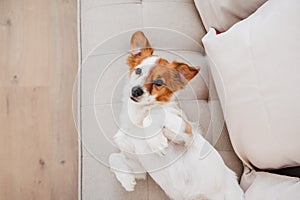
(266, 186)
(222, 14)
(256, 67)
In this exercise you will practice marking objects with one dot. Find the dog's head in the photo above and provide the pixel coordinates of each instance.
(152, 78)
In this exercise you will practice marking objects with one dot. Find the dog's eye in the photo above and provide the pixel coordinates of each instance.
(158, 82)
(138, 71)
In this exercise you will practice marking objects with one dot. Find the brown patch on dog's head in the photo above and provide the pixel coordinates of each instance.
(166, 78)
(140, 49)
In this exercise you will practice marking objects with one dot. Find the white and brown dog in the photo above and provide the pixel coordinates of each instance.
(156, 137)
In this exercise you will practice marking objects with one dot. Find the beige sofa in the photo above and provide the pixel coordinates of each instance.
(175, 30)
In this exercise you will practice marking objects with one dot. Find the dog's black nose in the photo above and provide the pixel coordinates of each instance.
(137, 91)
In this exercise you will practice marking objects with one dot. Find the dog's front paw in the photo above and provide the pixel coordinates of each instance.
(126, 180)
(158, 144)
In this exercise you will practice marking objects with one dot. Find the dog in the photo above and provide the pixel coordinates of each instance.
(156, 137)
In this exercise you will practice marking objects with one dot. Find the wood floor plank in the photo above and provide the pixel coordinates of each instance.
(38, 66)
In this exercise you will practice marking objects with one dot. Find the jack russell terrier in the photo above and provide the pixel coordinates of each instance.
(157, 138)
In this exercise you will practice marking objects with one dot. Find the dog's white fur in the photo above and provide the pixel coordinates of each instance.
(188, 168)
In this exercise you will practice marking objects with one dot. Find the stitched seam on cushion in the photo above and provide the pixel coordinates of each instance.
(121, 51)
(119, 102)
(111, 4)
(124, 3)
(160, 1)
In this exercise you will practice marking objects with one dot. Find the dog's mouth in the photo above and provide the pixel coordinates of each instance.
(134, 99)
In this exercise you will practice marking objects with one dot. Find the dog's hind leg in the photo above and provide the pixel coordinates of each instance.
(126, 170)
(233, 191)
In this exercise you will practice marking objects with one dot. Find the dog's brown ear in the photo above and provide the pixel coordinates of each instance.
(138, 42)
(140, 48)
(186, 72)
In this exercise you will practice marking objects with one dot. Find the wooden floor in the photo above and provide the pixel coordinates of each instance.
(38, 65)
